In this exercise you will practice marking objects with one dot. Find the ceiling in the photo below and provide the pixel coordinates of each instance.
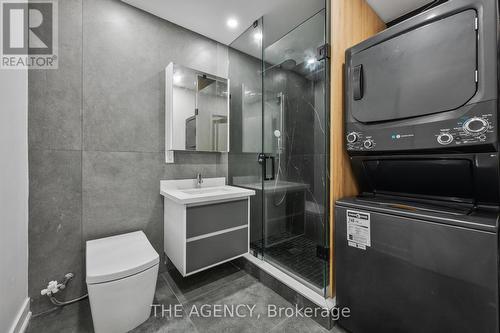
(209, 18)
(389, 10)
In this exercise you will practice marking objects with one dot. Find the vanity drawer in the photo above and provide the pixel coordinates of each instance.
(201, 220)
(212, 250)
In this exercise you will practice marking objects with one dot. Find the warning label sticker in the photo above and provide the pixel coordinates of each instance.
(358, 229)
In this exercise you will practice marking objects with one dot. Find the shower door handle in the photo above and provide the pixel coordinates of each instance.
(267, 163)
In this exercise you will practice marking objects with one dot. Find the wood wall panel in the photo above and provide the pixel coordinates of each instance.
(351, 21)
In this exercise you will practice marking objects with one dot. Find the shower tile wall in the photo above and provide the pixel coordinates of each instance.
(96, 135)
(303, 159)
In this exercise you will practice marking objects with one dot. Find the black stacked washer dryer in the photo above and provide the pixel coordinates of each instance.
(417, 250)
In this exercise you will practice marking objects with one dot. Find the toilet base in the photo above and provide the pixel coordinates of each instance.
(121, 305)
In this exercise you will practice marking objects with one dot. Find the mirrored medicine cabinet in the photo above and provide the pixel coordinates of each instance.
(196, 111)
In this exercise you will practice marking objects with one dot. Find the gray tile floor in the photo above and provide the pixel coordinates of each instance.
(225, 284)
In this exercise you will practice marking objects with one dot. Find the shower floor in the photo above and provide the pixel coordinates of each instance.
(298, 255)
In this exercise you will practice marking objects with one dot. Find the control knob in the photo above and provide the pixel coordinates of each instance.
(352, 137)
(445, 138)
(368, 144)
(476, 125)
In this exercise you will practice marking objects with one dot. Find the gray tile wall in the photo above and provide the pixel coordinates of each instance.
(96, 135)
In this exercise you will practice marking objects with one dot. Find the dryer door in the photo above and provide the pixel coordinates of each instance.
(426, 70)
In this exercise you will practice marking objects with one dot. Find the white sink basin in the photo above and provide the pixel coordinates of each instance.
(208, 190)
(186, 191)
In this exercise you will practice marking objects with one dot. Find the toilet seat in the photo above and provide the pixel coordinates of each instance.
(117, 257)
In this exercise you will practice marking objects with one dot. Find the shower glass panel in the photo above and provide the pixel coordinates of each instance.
(294, 135)
(279, 143)
(245, 73)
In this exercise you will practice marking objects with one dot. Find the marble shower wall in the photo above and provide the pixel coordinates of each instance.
(96, 135)
(304, 157)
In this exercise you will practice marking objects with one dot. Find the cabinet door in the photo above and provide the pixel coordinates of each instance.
(202, 220)
(212, 250)
(426, 70)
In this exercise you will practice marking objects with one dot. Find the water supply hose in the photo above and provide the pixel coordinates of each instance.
(57, 302)
(53, 287)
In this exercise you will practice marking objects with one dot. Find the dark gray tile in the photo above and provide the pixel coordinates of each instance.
(125, 53)
(224, 325)
(170, 325)
(163, 293)
(165, 318)
(244, 290)
(195, 158)
(269, 281)
(191, 288)
(187, 48)
(123, 82)
(121, 193)
(229, 294)
(219, 291)
(243, 168)
(54, 223)
(338, 329)
(74, 318)
(70, 24)
(283, 290)
(222, 166)
(301, 324)
(325, 321)
(188, 164)
(77, 317)
(126, 118)
(55, 96)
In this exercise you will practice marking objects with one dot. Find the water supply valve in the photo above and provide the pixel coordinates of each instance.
(52, 288)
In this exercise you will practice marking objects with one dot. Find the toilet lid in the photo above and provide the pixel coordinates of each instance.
(117, 257)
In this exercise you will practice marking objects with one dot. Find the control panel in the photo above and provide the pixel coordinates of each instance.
(359, 140)
(472, 128)
(468, 130)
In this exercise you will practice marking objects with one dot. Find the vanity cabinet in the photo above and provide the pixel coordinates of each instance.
(204, 224)
(200, 236)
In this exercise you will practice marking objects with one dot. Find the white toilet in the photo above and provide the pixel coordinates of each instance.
(121, 281)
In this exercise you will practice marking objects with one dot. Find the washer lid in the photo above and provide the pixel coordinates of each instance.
(117, 257)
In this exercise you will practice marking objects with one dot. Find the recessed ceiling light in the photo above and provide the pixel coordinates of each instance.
(232, 23)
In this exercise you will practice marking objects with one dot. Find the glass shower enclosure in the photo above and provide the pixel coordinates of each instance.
(279, 131)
